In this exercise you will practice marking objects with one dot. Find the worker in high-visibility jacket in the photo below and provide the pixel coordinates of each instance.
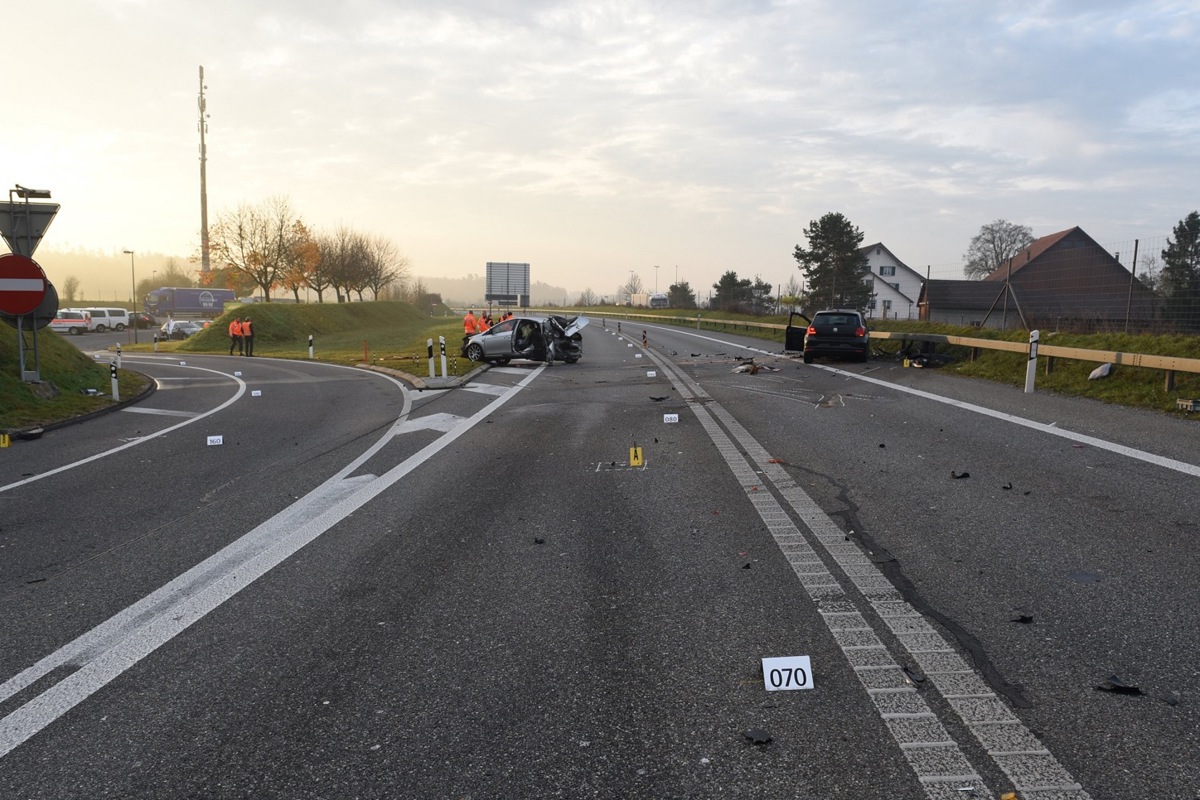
(235, 336)
(470, 326)
(482, 324)
(248, 335)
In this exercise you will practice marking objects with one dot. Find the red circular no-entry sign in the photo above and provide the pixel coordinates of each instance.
(22, 284)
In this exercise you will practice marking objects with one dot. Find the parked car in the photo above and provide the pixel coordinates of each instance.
(91, 323)
(535, 338)
(840, 333)
(108, 319)
(179, 329)
(75, 323)
(143, 320)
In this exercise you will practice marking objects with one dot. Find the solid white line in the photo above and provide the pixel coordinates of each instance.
(1100, 444)
(123, 640)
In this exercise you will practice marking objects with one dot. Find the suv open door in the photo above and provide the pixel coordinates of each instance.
(793, 336)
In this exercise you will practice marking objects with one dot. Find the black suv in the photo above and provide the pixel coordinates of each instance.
(837, 332)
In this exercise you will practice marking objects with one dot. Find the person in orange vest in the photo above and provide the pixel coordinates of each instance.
(483, 323)
(248, 336)
(235, 336)
(469, 324)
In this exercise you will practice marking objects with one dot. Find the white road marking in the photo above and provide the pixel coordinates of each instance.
(432, 422)
(485, 388)
(160, 411)
(117, 644)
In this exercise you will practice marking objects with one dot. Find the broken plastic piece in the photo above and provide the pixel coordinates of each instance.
(1102, 371)
(1024, 619)
(959, 475)
(1007, 486)
(757, 736)
(1118, 686)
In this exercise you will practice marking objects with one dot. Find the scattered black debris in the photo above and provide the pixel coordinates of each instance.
(37, 580)
(674, 353)
(1171, 699)
(1023, 619)
(746, 565)
(1118, 686)
(656, 441)
(958, 476)
(757, 736)
(915, 675)
(660, 399)
(882, 445)
(1006, 487)
(695, 355)
(536, 540)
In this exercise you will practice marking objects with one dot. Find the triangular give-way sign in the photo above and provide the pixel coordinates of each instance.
(24, 224)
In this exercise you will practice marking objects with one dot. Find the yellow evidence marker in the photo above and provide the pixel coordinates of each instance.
(635, 456)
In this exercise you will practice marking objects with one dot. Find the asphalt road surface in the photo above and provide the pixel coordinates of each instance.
(286, 579)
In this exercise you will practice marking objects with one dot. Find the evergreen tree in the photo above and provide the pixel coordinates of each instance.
(834, 267)
(680, 295)
(1180, 276)
(731, 293)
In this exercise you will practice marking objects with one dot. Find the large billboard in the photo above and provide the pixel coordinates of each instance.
(508, 284)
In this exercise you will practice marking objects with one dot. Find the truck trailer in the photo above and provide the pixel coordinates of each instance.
(178, 301)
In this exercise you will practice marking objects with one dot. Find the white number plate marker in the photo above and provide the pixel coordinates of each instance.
(213, 440)
(651, 373)
(237, 373)
(787, 673)
(256, 392)
(670, 418)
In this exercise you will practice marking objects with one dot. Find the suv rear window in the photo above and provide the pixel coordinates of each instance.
(835, 319)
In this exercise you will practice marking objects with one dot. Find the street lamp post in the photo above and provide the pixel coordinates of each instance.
(133, 295)
(656, 278)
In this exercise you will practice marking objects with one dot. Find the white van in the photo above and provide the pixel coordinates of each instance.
(108, 319)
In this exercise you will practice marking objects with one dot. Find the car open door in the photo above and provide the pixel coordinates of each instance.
(793, 336)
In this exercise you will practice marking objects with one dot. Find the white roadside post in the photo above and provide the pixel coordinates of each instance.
(429, 347)
(442, 345)
(310, 346)
(118, 355)
(116, 389)
(1031, 367)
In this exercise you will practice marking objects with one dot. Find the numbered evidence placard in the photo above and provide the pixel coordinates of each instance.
(787, 673)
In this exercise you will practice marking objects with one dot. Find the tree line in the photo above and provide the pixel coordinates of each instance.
(269, 247)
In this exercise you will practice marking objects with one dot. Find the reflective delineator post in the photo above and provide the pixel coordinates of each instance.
(156, 342)
(442, 345)
(116, 389)
(1031, 367)
(429, 347)
(118, 355)
(310, 345)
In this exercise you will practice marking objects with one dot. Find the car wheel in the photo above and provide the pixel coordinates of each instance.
(475, 352)
(863, 358)
(119, 328)
(99, 329)
(570, 360)
(807, 358)
(76, 331)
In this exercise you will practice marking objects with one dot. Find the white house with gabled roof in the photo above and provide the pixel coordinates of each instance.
(896, 287)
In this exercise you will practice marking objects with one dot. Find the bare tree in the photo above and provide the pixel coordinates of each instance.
(70, 288)
(631, 287)
(587, 298)
(256, 241)
(385, 265)
(995, 243)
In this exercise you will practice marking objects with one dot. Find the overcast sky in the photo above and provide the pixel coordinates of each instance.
(593, 138)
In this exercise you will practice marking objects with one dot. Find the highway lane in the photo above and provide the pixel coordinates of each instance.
(1091, 540)
(428, 645)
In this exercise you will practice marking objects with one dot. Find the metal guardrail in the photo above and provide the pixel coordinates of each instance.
(1169, 364)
